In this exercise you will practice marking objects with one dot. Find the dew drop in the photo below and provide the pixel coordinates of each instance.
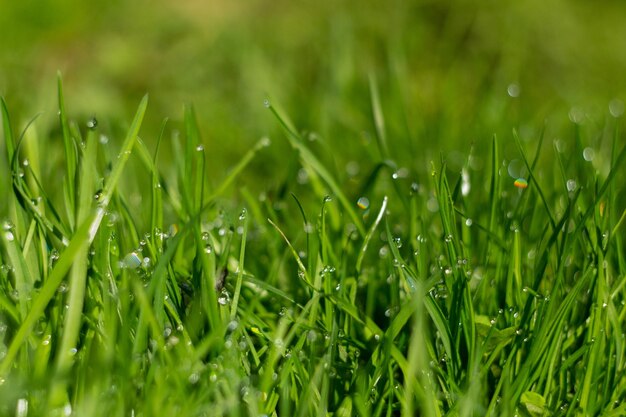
(352, 168)
(589, 154)
(279, 343)
(363, 203)
(92, 123)
(22, 408)
(576, 115)
(265, 142)
(465, 182)
(513, 90)
(131, 261)
(401, 173)
(521, 183)
(267, 103)
(303, 176)
(571, 185)
(616, 107)
(432, 204)
(199, 148)
(224, 298)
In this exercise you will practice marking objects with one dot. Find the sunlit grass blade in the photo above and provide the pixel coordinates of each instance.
(71, 158)
(9, 140)
(370, 233)
(83, 236)
(309, 158)
(379, 121)
(236, 170)
(78, 274)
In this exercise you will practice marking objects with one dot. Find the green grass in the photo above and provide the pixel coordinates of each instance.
(336, 227)
(134, 287)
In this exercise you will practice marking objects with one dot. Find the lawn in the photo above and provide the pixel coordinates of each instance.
(312, 209)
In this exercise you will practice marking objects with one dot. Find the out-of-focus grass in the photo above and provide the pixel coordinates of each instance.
(446, 71)
(437, 61)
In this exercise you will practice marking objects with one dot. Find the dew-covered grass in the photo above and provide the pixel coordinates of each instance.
(496, 289)
(405, 208)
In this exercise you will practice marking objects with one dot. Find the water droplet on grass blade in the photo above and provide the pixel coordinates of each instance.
(400, 173)
(521, 183)
(576, 115)
(199, 148)
(131, 261)
(224, 298)
(571, 185)
(21, 409)
(589, 154)
(465, 182)
(352, 168)
(303, 176)
(517, 168)
(363, 203)
(92, 123)
(616, 107)
(432, 204)
(267, 103)
(513, 90)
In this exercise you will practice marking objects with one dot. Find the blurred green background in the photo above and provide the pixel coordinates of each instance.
(449, 74)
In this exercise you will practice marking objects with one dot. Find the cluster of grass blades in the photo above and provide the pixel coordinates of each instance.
(422, 299)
